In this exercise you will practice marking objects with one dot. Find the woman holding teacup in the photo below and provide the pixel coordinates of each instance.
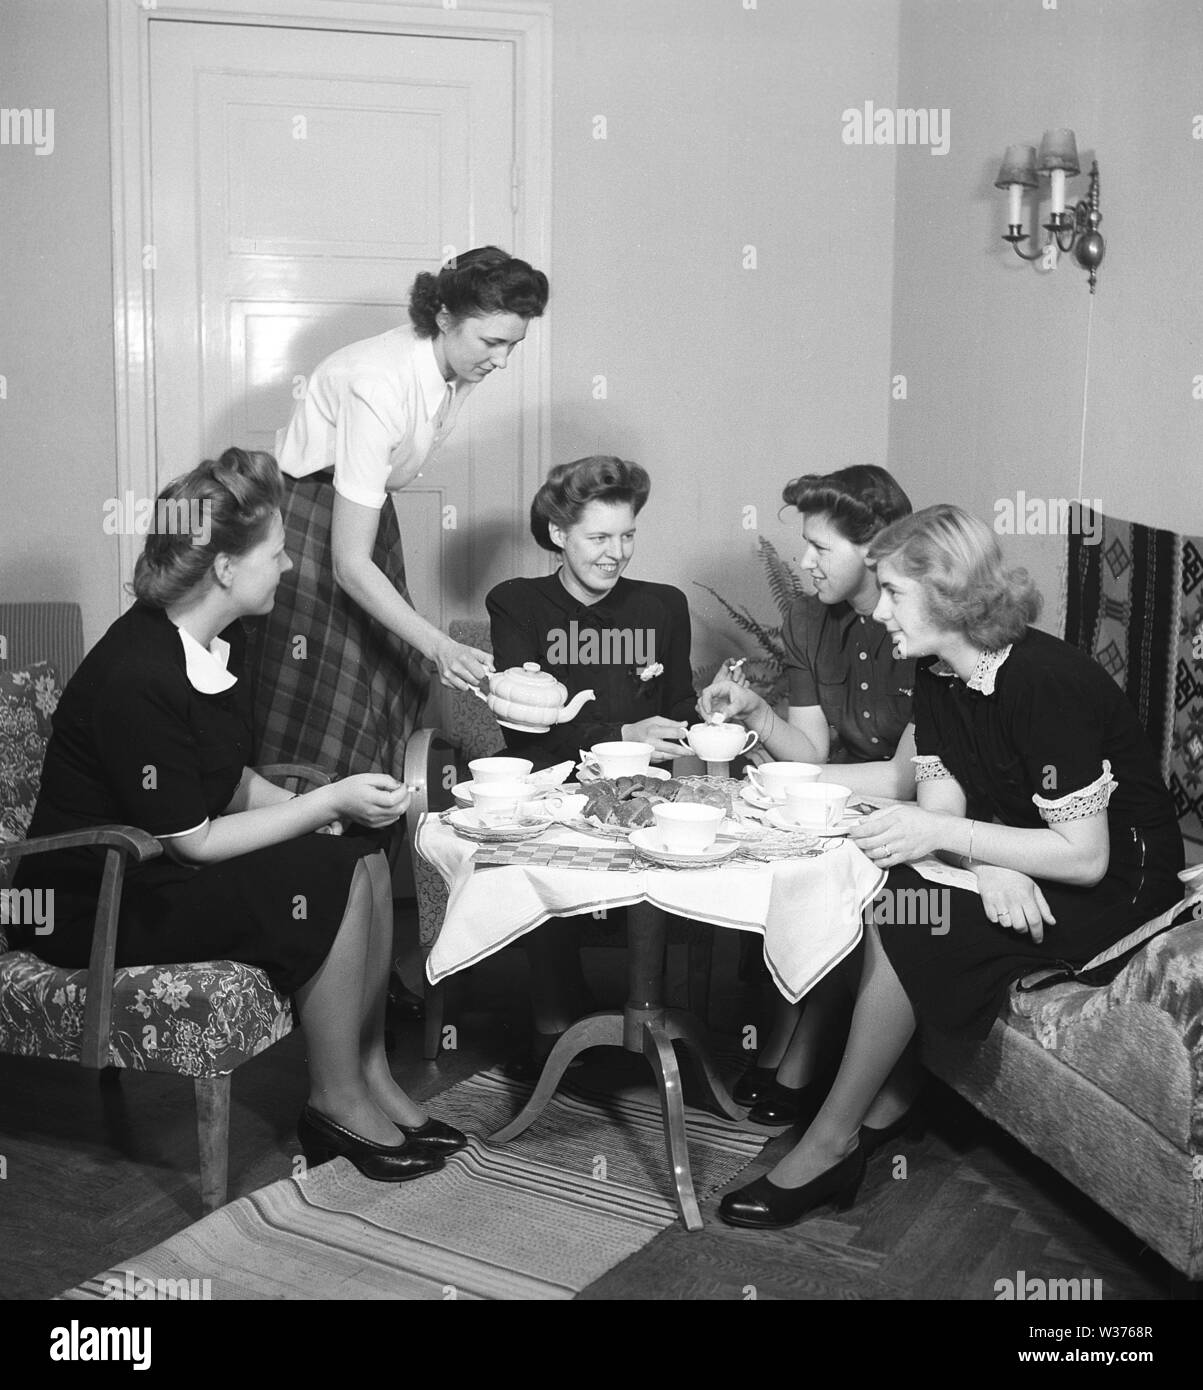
(849, 704)
(153, 731)
(627, 640)
(1034, 774)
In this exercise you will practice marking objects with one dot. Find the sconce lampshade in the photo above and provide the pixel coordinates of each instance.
(1059, 150)
(1018, 166)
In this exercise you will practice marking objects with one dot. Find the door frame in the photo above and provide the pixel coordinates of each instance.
(526, 24)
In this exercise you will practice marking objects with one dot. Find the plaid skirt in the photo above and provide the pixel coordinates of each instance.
(332, 686)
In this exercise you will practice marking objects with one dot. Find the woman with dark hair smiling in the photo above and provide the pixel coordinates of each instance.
(627, 640)
(850, 706)
(153, 731)
(1036, 776)
(340, 671)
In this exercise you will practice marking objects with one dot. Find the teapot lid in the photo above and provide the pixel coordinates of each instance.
(530, 676)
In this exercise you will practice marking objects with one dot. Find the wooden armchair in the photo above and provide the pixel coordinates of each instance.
(200, 1020)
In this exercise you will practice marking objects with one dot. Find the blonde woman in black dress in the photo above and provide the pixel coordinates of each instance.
(154, 731)
(1034, 773)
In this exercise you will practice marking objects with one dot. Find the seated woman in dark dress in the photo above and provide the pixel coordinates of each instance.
(153, 731)
(627, 640)
(1035, 774)
(850, 707)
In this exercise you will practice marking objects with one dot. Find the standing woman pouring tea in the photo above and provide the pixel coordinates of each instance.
(340, 666)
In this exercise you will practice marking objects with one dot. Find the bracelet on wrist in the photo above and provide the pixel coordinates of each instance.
(969, 856)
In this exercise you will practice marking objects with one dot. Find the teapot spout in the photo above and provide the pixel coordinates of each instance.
(573, 707)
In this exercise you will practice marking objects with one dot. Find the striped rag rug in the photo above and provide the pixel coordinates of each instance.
(584, 1188)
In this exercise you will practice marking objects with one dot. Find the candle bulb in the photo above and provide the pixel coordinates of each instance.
(1058, 191)
(1059, 159)
(1018, 172)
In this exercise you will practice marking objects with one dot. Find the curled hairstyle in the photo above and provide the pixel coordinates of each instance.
(227, 504)
(484, 281)
(860, 501)
(967, 587)
(570, 487)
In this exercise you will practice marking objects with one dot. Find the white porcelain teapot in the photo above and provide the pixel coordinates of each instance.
(530, 699)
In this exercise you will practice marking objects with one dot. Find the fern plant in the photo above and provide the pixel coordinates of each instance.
(766, 674)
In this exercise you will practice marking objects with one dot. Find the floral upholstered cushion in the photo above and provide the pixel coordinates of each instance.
(27, 700)
(195, 1020)
(1140, 1038)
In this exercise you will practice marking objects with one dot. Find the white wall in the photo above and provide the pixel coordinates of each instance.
(723, 130)
(1016, 377)
(57, 433)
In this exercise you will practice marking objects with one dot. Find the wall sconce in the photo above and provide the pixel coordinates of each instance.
(1076, 231)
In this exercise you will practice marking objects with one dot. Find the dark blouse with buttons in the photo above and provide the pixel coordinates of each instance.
(845, 664)
(595, 646)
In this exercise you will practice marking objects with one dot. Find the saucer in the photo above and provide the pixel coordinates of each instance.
(468, 824)
(648, 842)
(657, 774)
(749, 794)
(776, 819)
(462, 791)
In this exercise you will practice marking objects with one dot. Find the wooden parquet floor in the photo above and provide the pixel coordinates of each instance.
(95, 1173)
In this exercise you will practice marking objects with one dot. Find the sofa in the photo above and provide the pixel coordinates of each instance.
(1105, 1084)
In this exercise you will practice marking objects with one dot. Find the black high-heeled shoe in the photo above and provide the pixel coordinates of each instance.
(754, 1085)
(789, 1105)
(433, 1137)
(763, 1206)
(908, 1125)
(322, 1139)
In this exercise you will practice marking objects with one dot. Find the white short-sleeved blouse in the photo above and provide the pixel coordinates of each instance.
(374, 411)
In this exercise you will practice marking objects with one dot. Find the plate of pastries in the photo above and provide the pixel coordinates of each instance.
(614, 806)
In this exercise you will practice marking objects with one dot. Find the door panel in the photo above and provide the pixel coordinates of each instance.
(300, 179)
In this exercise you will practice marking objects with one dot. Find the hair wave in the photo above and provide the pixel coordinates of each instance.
(238, 496)
(483, 281)
(570, 487)
(967, 586)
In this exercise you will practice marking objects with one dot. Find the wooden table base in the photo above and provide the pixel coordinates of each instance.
(644, 1026)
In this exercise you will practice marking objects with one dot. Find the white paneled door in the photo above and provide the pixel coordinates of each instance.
(300, 180)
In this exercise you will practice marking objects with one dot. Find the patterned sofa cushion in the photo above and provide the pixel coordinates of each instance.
(28, 698)
(1140, 1038)
(195, 1020)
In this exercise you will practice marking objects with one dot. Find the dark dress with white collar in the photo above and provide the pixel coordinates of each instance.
(135, 743)
(1055, 739)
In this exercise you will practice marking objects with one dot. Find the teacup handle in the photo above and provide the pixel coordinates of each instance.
(755, 781)
(753, 740)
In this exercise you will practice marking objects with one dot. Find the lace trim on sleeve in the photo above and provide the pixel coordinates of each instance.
(1086, 801)
(929, 766)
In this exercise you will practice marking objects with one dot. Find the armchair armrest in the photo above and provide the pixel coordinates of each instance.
(128, 839)
(299, 772)
(119, 842)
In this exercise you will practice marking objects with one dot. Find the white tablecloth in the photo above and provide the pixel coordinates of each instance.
(808, 910)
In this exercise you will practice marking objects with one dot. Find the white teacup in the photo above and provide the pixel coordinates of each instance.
(486, 770)
(687, 827)
(719, 743)
(620, 759)
(773, 779)
(815, 805)
(492, 798)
